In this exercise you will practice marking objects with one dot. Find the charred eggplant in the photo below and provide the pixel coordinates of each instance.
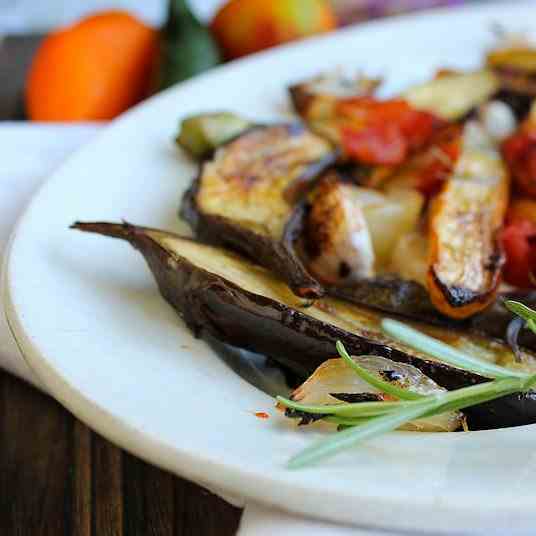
(242, 304)
(246, 196)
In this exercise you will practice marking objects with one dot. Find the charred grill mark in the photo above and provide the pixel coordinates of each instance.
(344, 270)
(353, 398)
(305, 418)
(391, 375)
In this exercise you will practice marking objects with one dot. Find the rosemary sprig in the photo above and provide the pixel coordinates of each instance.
(372, 379)
(428, 406)
(349, 437)
(365, 420)
(444, 352)
(524, 312)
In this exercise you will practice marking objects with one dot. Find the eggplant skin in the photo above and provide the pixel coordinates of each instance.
(211, 304)
(265, 184)
(409, 299)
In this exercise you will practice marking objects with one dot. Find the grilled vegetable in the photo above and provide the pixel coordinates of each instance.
(351, 232)
(337, 235)
(245, 197)
(498, 119)
(519, 241)
(315, 100)
(428, 169)
(382, 133)
(519, 151)
(334, 381)
(203, 133)
(466, 218)
(453, 96)
(409, 260)
(367, 130)
(240, 303)
(515, 66)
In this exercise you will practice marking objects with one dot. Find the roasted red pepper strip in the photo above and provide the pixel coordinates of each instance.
(519, 242)
(383, 132)
(519, 151)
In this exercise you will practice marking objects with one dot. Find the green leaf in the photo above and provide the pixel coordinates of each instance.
(359, 409)
(348, 438)
(444, 352)
(372, 379)
(520, 309)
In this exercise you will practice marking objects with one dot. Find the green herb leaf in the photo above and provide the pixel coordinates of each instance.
(444, 352)
(372, 379)
(359, 409)
(348, 438)
(520, 309)
(427, 407)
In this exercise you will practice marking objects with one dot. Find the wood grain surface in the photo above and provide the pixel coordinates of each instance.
(56, 476)
(59, 478)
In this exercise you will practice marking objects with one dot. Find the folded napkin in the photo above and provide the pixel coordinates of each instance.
(30, 152)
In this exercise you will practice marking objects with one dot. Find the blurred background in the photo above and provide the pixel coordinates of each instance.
(90, 60)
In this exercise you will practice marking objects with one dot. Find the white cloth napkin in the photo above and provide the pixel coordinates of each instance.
(30, 152)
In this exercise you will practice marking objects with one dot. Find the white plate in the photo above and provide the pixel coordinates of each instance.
(91, 324)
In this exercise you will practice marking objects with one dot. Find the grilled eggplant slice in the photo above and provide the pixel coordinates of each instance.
(239, 303)
(466, 217)
(201, 134)
(333, 381)
(245, 197)
(453, 96)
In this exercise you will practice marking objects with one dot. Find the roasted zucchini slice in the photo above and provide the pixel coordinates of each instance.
(465, 219)
(453, 96)
(245, 197)
(515, 66)
(240, 303)
(201, 134)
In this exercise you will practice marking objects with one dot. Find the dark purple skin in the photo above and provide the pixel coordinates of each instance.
(276, 255)
(212, 305)
(410, 300)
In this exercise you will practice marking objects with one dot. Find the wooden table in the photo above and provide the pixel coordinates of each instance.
(57, 477)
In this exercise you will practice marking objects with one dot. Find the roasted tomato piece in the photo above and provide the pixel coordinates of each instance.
(383, 132)
(428, 169)
(519, 243)
(519, 151)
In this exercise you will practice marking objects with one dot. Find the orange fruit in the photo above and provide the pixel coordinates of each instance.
(245, 26)
(93, 70)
